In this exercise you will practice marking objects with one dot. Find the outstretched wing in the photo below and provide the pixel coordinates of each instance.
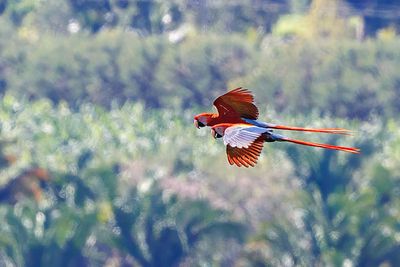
(242, 135)
(245, 156)
(237, 101)
(244, 144)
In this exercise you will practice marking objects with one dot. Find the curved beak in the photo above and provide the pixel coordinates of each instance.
(196, 124)
(213, 133)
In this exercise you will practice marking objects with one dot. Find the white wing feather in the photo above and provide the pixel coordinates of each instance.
(242, 136)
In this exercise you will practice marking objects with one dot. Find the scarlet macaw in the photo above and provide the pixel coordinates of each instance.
(237, 106)
(244, 142)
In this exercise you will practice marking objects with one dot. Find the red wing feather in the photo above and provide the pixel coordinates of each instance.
(245, 156)
(239, 101)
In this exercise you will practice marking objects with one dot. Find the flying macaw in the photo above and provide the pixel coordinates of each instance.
(237, 106)
(244, 142)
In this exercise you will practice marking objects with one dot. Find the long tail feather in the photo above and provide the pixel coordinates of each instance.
(303, 129)
(321, 130)
(278, 137)
(341, 148)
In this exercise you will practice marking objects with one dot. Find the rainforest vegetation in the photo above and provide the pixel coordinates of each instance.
(100, 164)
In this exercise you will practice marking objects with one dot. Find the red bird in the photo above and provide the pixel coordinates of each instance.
(244, 142)
(237, 106)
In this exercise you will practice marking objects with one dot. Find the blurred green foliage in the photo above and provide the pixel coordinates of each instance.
(100, 165)
(346, 216)
(87, 207)
(346, 79)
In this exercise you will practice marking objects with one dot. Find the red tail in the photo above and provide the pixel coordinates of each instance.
(341, 148)
(323, 130)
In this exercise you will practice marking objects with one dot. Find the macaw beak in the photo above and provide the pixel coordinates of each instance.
(196, 124)
(213, 133)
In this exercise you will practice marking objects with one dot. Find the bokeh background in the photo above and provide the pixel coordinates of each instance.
(101, 165)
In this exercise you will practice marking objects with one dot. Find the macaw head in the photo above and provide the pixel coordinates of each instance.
(218, 130)
(202, 119)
